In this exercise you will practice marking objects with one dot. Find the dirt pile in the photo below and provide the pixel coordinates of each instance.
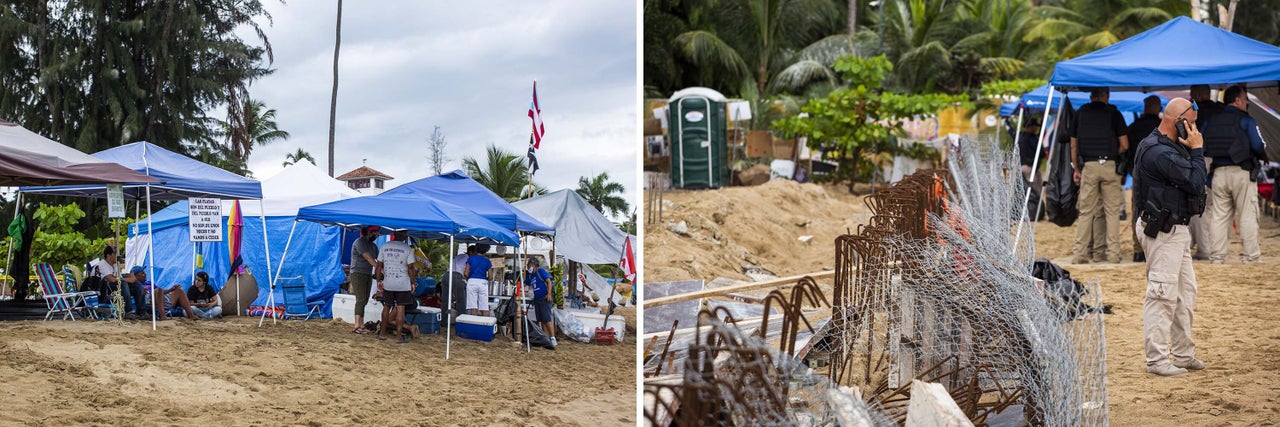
(707, 234)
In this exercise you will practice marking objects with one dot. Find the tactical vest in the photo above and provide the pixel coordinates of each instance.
(1162, 194)
(1223, 136)
(1094, 135)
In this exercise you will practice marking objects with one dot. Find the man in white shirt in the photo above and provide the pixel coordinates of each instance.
(135, 300)
(395, 275)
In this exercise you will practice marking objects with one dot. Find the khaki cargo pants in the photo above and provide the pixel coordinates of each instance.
(1167, 310)
(1100, 189)
(1233, 198)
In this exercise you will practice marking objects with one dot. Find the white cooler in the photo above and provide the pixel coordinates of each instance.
(344, 308)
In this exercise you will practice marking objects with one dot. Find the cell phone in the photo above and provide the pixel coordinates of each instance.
(1181, 127)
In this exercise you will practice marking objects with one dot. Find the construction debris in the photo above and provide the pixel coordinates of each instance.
(934, 287)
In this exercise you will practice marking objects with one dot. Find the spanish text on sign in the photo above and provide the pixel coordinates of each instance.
(205, 216)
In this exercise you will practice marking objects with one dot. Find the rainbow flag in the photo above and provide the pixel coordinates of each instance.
(235, 230)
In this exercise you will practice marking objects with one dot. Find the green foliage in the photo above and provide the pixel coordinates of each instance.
(503, 172)
(855, 124)
(557, 289)
(437, 252)
(603, 194)
(57, 243)
(1011, 87)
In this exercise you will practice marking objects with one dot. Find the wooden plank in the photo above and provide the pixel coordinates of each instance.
(780, 282)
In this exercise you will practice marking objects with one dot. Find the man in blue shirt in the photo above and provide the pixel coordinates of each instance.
(477, 274)
(540, 281)
(1231, 138)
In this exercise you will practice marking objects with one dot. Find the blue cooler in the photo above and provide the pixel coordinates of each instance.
(427, 319)
(479, 328)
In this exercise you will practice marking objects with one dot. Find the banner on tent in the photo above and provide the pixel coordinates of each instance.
(205, 219)
(115, 201)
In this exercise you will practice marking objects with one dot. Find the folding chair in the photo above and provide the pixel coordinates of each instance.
(56, 298)
(295, 298)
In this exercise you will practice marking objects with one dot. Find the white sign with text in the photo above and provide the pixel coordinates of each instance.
(206, 219)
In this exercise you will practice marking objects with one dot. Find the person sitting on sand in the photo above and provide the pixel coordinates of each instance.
(170, 298)
(204, 300)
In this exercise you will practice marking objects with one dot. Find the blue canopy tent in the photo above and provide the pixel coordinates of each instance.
(421, 216)
(457, 187)
(183, 178)
(301, 184)
(1204, 55)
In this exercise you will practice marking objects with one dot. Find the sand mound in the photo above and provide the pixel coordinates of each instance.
(761, 226)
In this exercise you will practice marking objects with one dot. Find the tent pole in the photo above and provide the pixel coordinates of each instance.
(1035, 164)
(151, 266)
(271, 296)
(448, 331)
(8, 260)
(266, 246)
(524, 315)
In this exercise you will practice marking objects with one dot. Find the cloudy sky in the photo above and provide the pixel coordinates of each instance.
(467, 67)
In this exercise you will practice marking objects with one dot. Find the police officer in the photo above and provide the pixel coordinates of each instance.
(1231, 138)
(1098, 137)
(1170, 174)
(1139, 129)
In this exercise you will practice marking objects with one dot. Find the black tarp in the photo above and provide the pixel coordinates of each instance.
(1061, 190)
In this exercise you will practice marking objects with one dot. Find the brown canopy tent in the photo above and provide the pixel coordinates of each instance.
(28, 159)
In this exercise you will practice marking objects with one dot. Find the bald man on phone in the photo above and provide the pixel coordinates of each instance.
(1169, 176)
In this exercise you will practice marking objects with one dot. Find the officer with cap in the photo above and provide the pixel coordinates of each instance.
(1231, 138)
(1169, 175)
(1098, 137)
(1206, 107)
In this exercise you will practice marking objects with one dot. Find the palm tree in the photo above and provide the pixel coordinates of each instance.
(1077, 27)
(742, 45)
(333, 100)
(298, 156)
(603, 194)
(256, 127)
(504, 173)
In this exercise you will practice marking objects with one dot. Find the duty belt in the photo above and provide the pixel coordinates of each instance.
(1101, 159)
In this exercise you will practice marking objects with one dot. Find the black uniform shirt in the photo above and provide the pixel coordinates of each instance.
(1166, 163)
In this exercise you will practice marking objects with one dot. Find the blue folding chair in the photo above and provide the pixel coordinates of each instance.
(295, 299)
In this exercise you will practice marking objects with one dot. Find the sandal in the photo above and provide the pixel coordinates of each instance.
(403, 340)
(359, 330)
(381, 338)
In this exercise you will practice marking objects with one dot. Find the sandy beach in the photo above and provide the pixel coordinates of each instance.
(1235, 324)
(230, 372)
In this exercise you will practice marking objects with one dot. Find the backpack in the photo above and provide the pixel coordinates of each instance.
(91, 281)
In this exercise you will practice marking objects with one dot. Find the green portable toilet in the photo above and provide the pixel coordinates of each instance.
(699, 138)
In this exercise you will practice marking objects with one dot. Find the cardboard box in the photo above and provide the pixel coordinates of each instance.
(476, 327)
(652, 127)
(784, 148)
(759, 144)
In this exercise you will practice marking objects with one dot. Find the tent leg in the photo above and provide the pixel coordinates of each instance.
(448, 330)
(151, 266)
(1035, 163)
(271, 296)
(17, 208)
(266, 246)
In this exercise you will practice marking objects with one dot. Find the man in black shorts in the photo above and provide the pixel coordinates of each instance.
(395, 273)
(540, 281)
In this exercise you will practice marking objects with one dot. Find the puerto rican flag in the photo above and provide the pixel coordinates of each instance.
(628, 261)
(536, 114)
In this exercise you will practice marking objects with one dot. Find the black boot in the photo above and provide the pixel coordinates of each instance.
(1139, 257)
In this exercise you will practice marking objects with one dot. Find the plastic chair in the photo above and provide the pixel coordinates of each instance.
(56, 297)
(295, 299)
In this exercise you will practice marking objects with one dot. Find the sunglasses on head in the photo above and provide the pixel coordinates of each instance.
(1192, 107)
